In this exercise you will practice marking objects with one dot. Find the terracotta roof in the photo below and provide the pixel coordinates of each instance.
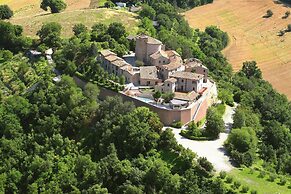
(172, 65)
(190, 96)
(158, 54)
(193, 62)
(112, 58)
(106, 53)
(187, 75)
(127, 68)
(119, 62)
(172, 80)
(149, 72)
(150, 40)
(172, 53)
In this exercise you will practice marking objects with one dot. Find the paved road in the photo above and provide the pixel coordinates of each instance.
(212, 150)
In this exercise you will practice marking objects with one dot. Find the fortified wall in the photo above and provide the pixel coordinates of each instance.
(195, 112)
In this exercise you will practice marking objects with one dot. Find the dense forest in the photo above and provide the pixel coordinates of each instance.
(59, 138)
(261, 108)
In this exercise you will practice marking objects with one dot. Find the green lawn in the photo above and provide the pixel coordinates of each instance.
(250, 178)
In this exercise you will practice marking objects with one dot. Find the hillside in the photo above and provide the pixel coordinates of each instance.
(252, 37)
(28, 14)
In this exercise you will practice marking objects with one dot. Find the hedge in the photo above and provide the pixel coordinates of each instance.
(184, 134)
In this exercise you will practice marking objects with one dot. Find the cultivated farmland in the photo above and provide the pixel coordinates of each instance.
(252, 37)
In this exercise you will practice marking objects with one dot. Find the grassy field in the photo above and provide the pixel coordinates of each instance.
(262, 185)
(28, 14)
(69, 18)
(252, 37)
(26, 8)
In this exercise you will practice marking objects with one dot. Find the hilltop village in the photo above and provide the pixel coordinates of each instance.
(164, 71)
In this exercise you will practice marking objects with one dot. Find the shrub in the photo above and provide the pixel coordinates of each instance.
(229, 179)
(193, 130)
(254, 192)
(272, 178)
(139, 63)
(269, 13)
(287, 13)
(109, 4)
(237, 184)
(188, 136)
(281, 33)
(262, 174)
(245, 189)
(282, 181)
(222, 174)
(5, 12)
(177, 124)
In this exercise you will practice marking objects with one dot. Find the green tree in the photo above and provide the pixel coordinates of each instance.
(91, 91)
(122, 79)
(167, 140)
(147, 11)
(214, 123)
(11, 37)
(226, 96)
(116, 30)
(244, 117)
(79, 29)
(157, 95)
(168, 97)
(56, 6)
(147, 27)
(242, 144)
(250, 69)
(5, 12)
(50, 34)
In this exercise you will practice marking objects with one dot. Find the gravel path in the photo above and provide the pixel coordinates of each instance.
(212, 150)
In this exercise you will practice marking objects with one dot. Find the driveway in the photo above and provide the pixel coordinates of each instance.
(212, 150)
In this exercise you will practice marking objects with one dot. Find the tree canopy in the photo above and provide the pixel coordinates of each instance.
(56, 6)
(5, 12)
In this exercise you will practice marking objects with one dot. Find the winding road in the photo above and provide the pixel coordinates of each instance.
(212, 150)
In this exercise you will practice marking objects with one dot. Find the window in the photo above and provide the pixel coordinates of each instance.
(204, 70)
(168, 85)
(148, 82)
(182, 80)
(193, 82)
(156, 83)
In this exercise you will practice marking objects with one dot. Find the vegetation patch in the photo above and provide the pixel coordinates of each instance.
(252, 179)
(87, 17)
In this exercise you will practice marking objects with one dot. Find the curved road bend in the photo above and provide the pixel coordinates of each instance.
(212, 150)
